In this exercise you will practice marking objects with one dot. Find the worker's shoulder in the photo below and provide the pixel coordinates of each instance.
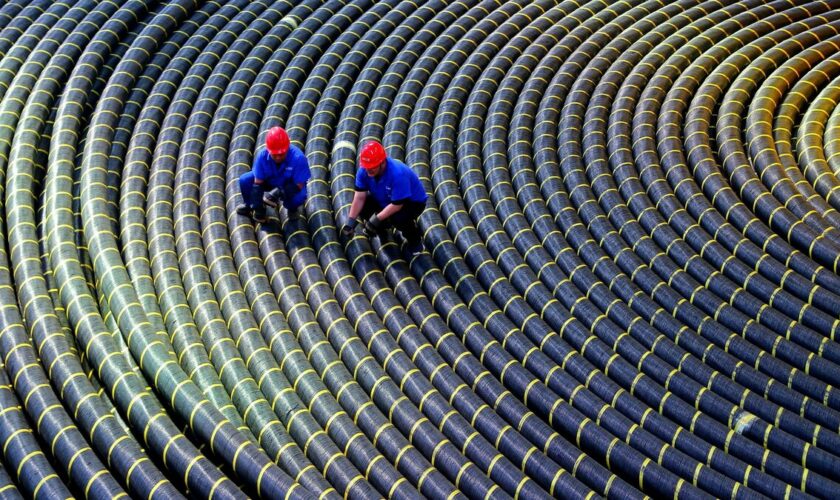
(397, 165)
(296, 155)
(399, 168)
(262, 153)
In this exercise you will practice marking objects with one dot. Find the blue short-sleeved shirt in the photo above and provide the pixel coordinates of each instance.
(294, 169)
(398, 184)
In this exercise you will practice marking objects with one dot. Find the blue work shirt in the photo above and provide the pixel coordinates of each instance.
(293, 170)
(398, 184)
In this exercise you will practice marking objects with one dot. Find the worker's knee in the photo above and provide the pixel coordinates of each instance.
(246, 181)
(292, 203)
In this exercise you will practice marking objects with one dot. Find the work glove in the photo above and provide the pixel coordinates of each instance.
(349, 227)
(273, 197)
(257, 192)
(289, 191)
(372, 226)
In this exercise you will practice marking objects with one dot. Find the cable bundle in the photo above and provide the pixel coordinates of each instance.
(630, 286)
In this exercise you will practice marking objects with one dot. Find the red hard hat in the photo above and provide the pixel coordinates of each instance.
(277, 141)
(372, 155)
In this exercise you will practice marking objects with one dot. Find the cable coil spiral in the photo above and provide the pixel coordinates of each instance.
(631, 279)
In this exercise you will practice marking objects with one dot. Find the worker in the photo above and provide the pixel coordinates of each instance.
(388, 193)
(279, 174)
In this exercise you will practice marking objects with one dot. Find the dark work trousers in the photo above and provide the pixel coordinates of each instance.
(405, 221)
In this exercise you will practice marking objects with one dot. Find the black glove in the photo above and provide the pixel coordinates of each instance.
(289, 190)
(273, 197)
(372, 226)
(349, 228)
(257, 192)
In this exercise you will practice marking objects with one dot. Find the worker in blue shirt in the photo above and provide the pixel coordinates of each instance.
(279, 174)
(388, 193)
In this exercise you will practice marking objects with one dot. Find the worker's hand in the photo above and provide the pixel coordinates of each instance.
(273, 198)
(372, 226)
(349, 228)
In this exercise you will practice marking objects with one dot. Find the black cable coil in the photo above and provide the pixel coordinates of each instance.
(631, 278)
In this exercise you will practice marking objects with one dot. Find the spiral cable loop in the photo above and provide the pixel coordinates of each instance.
(630, 278)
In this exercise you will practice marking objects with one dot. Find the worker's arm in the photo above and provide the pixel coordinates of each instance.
(389, 210)
(400, 194)
(301, 169)
(374, 224)
(356, 207)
